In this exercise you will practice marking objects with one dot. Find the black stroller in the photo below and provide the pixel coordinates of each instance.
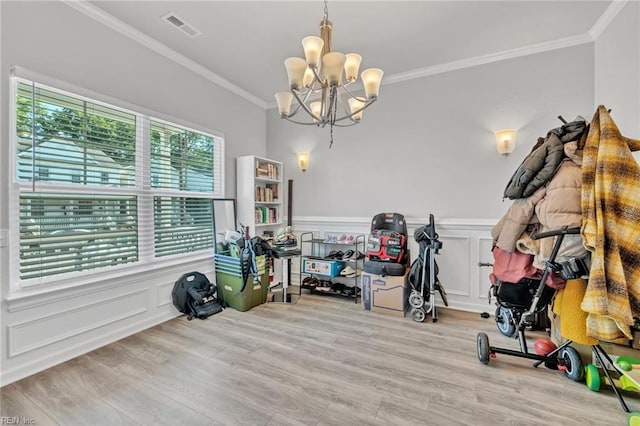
(423, 275)
(564, 357)
(514, 299)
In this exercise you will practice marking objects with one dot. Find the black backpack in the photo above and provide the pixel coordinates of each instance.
(193, 294)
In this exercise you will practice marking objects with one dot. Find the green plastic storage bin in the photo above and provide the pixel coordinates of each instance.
(229, 283)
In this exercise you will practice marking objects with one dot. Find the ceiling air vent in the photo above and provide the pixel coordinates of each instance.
(180, 24)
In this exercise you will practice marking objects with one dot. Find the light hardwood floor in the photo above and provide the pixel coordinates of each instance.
(321, 361)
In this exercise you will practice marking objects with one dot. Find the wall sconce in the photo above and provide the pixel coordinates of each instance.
(303, 160)
(506, 141)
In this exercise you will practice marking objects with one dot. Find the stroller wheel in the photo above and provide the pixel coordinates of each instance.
(415, 299)
(573, 364)
(418, 314)
(483, 348)
(504, 321)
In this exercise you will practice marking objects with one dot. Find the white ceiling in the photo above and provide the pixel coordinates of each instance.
(246, 42)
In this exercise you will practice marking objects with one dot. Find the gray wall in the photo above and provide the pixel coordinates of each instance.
(617, 70)
(427, 145)
(40, 329)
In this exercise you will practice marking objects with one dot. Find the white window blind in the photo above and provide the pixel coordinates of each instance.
(62, 233)
(85, 170)
(182, 225)
(184, 160)
(71, 140)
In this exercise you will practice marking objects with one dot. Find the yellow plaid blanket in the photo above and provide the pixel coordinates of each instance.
(611, 229)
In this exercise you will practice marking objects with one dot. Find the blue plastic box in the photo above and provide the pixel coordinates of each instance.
(329, 268)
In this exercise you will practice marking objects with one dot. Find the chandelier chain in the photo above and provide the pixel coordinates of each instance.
(331, 139)
(326, 10)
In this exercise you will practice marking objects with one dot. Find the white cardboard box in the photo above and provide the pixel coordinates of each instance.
(387, 295)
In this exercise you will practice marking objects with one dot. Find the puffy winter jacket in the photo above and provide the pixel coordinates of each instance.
(561, 207)
(515, 221)
(543, 160)
(536, 169)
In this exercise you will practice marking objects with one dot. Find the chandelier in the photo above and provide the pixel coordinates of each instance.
(316, 83)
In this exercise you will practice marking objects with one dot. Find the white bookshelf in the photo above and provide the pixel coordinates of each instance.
(259, 194)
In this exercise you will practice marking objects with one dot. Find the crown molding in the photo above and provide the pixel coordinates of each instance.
(490, 58)
(112, 22)
(607, 16)
(482, 60)
(127, 30)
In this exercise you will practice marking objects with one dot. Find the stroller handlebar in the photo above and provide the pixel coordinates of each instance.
(561, 231)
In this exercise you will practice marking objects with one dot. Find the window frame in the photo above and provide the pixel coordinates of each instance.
(142, 190)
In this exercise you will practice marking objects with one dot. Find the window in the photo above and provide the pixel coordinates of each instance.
(183, 161)
(87, 193)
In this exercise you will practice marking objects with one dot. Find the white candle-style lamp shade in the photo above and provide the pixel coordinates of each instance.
(284, 99)
(315, 109)
(371, 79)
(351, 66)
(303, 160)
(295, 71)
(506, 141)
(333, 63)
(312, 46)
(355, 105)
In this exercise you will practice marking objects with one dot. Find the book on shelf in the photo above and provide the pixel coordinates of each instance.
(266, 170)
(266, 214)
(267, 194)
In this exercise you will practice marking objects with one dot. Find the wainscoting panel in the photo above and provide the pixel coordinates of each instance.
(453, 264)
(37, 333)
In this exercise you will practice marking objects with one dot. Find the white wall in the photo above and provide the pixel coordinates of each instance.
(427, 145)
(55, 40)
(617, 70)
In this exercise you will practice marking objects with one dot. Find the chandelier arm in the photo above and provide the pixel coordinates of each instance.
(351, 95)
(347, 124)
(302, 102)
(357, 111)
(317, 76)
(302, 122)
(295, 111)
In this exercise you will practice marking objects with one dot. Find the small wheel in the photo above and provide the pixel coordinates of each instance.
(633, 419)
(592, 377)
(573, 364)
(504, 321)
(416, 300)
(418, 314)
(483, 348)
